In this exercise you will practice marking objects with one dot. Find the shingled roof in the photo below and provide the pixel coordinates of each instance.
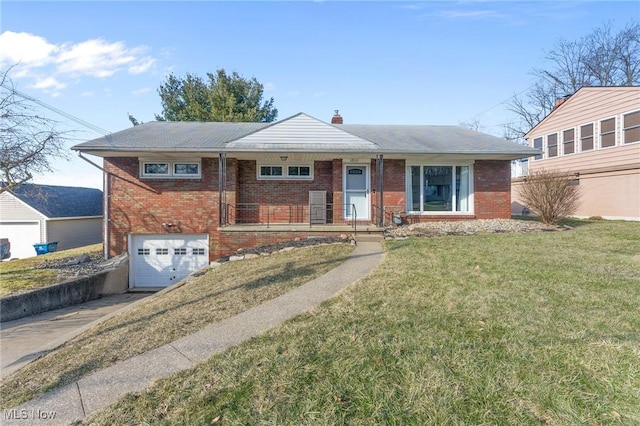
(60, 201)
(301, 133)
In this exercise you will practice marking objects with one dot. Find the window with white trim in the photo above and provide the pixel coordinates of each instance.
(288, 172)
(568, 141)
(631, 127)
(179, 169)
(608, 133)
(439, 189)
(537, 143)
(586, 137)
(552, 145)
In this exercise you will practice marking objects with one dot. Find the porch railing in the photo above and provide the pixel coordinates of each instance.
(290, 214)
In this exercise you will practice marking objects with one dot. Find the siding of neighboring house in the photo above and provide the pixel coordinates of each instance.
(19, 222)
(609, 177)
(74, 232)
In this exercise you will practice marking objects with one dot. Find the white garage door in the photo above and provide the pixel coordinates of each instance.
(22, 236)
(164, 259)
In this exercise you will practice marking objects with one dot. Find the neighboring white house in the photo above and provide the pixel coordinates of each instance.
(35, 214)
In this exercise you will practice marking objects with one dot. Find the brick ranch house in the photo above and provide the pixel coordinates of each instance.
(179, 194)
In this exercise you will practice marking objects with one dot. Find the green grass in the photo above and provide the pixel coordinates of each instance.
(526, 329)
(22, 274)
(221, 293)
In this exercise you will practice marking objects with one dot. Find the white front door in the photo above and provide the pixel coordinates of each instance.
(356, 191)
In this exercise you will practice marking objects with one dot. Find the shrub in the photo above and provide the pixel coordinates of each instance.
(551, 194)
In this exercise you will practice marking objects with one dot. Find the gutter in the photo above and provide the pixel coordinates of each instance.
(105, 204)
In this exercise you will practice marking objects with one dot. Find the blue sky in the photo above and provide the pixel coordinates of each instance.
(421, 62)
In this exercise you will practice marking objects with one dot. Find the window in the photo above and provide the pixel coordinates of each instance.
(568, 141)
(439, 189)
(156, 169)
(182, 251)
(537, 143)
(586, 137)
(144, 252)
(292, 172)
(631, 127)
(608, 133)
(198, 252)
(170, 169)
(552, 145)
(162, 251)
(299, 170)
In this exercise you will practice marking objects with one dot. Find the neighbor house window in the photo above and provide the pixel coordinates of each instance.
(631, 129)
(586, 137)
(170, 169)
(289, 172)
(537, 143)
(552, 145)
(608, 133)
(568, 141)
(439, 189)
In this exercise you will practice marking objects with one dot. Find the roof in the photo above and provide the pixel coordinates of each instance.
(571, 99)
(60, 201)
(300, 133)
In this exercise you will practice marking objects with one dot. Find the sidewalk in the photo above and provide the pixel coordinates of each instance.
(80, 399)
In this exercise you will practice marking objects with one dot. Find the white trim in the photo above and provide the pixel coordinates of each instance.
(575, 150)
(170, 168)
(615, 132)
(367, 173)
(470, 200)
(52, 219)
(622, 128)
(285, 171)
(593, 136)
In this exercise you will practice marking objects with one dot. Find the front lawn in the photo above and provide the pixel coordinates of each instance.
(513, 329)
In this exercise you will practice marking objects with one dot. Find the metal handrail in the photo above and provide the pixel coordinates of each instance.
(266, 214)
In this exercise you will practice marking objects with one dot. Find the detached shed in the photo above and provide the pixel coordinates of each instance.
(35, 214)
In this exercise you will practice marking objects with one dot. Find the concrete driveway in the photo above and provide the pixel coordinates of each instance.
(24, 339)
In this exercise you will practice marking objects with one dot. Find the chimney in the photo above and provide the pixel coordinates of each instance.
(336, 119)
(560, 101)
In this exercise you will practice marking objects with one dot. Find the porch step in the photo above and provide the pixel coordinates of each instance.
(369, 237)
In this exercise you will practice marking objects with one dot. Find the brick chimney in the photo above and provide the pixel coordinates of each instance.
(336, 119)
(560, 101)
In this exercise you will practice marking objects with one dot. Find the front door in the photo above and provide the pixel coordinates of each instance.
(356, 192)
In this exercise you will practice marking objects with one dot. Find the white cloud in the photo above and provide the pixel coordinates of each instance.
(87, 94)
(25, 49)
(34, 56)
(49, 83)
(269, 87)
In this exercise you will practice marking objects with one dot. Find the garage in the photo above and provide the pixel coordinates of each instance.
(163, 259)
(22, 236)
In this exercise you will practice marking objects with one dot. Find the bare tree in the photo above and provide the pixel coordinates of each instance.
(601, 58)
(28, 140)
(553, 195)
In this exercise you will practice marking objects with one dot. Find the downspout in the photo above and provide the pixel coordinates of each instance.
(380, 164)
(105, 205)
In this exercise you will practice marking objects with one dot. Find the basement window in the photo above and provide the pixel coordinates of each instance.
(289, 172)
(180, 169)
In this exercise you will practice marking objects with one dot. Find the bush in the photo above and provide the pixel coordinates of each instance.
(552, 194)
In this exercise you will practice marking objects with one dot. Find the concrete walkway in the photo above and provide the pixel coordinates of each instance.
(80, 399)
(24, 339)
